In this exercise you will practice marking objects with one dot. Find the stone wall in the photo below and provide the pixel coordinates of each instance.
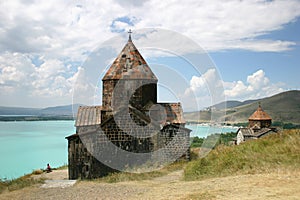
(87, 148)
(121, 93)
(176, 142)
(82, 165)
(260, 123)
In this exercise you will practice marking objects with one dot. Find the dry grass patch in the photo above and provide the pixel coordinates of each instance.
(18, 183)
(277, 151)
(200, 196)
(125, 176)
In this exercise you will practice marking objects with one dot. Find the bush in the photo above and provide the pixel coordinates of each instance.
(18, 183)
(37, 171)
(196, 142)
(213, 140)
(277, 151)
(286, 125)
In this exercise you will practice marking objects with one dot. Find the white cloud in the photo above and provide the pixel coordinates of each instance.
(235, 90)
(83, 88)
(14, 69)
(217, 25)
(62, 33)
(257, 86)
(207, 89)
(203, 82)
(257, 80)
(21, 81)
(204, 87)
(71, 28)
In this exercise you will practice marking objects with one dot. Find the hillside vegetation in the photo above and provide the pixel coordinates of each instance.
(275, 152)
(283, 107)
(263, 169)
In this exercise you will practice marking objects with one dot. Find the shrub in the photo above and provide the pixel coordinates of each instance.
(272, 152)
(18, 183)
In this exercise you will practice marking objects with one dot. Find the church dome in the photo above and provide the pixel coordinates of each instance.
(259, 114)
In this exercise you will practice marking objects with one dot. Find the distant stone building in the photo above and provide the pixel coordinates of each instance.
(130, 118)
(259, 125)
(259, 119)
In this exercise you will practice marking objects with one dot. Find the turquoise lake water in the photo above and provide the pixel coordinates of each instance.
(201, 130)
(29, 145)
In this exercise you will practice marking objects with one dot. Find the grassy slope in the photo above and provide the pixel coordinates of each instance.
(280, 151)
(28, 180)
(275, 152)
(124, 176)
(283, 107)
(19, 183)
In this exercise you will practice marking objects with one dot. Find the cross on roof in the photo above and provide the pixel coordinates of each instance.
(129, 32)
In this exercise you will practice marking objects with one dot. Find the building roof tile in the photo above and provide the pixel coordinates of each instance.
(129, 64)
(88, 115)
(259, 114)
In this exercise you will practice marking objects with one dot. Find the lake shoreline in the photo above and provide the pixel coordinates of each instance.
(47, 144)
(9, 118)
(30, 145)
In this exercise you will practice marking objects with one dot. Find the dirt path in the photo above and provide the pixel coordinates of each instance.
(54, 175)
(280, 185)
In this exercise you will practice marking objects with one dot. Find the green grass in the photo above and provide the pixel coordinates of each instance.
(125, 176)
(25, 181)
(278, 151)
(211, 141)
(18, 183)
(286, 110)
(196, 142)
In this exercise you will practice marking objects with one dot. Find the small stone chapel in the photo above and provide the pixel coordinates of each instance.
(129, 123)
(259, 125)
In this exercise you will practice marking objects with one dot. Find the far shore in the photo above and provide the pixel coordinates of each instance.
(8, 118)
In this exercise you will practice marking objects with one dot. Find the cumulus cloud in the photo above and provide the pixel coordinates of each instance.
(62, 33)
(202, 82)
(206, 88)
(21, 80)
(207, 85)
(70, 28)
(217, 25)
(15, 68)
(257, 86)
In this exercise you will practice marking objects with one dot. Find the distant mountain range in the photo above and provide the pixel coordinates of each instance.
(66, 110)
(232, 104)
(283, 107)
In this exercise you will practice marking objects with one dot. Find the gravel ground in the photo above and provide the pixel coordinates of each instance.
(280, 185)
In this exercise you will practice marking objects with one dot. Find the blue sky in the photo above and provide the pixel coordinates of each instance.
(245, 49)
(279, 66)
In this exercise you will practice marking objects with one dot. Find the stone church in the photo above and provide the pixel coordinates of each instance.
(259, 126)
(130, 128)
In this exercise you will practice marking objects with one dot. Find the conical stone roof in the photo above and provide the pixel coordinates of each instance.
(129, 65)
(259, 114)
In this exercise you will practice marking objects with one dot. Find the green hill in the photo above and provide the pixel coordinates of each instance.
(271, 153)
(34, 114)
(232, 104)
(283, 107)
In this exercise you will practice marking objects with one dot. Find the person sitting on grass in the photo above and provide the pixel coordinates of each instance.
(48, 169)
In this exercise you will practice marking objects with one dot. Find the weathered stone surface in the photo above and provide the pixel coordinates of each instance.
(131, 121)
